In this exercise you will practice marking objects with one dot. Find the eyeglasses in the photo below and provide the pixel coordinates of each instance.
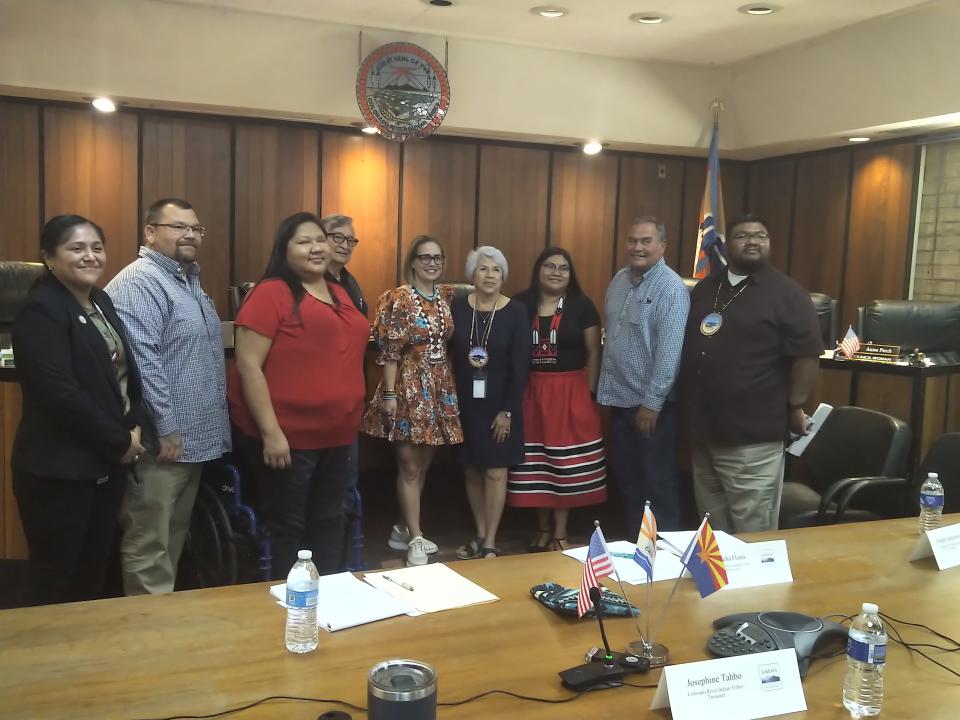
(430, 259)
(340, 239)
(551, 268)
(182, 229)
(761, 236)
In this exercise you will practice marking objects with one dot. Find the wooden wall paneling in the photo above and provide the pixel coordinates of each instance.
(275, 175)
(19, 181)
(820, 222)
(361, 178)
(583, 216)
(13, 544)
(90, 169)
(644, 192)
(733, 176)
(440, 198)
(878, 244)
(885, 393)
(833, 388)
(512, 210)
(952, 423)
(190, 159)
(935, 420)
(770, 195)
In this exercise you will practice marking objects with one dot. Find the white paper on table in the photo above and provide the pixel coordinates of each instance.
(797, 447)
(435, 587)
(344, 602)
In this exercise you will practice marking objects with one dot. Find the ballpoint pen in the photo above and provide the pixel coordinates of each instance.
(402, 584)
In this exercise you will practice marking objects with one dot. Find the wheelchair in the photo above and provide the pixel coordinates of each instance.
(227, 544)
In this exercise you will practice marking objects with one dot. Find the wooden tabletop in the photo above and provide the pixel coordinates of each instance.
(200, 652)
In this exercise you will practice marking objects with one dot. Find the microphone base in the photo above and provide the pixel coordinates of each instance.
(658, 655)
(592, 676)
(626, 662)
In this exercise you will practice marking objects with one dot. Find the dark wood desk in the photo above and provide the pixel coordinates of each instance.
(205, 651)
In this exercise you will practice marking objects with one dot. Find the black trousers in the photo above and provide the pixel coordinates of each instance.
(70, 527)
(302, 505)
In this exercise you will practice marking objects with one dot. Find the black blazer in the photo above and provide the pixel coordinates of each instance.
(73, 425)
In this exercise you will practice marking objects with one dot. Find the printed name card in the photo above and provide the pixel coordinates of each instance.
(738, 688)
(943, 543)
(757, 563)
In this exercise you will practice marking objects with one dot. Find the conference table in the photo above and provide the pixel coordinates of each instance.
(205, 651)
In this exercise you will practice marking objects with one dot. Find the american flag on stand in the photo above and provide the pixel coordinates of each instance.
(598, 564)
(850, 343)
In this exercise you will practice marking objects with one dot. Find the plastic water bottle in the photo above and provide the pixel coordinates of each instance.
(931, 503)
(866, 656)
(302, 583)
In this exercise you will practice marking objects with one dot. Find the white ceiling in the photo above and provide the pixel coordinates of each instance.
(700, 32)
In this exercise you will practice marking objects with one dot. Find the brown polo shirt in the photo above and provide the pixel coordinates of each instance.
(734, 384)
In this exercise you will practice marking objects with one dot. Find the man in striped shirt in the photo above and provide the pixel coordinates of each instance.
(646, 310)
(175, 335)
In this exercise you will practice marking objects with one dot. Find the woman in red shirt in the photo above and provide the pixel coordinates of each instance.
(296, 394)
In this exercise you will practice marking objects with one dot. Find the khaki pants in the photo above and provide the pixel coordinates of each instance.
(739, 485)
(155, 517)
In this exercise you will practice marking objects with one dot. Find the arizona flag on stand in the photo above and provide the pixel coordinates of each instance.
(711, 255)
(850, 343)
(646, 551)
(704, 561)
(598, 563)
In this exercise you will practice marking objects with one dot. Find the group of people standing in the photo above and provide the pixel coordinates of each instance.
(125, 395)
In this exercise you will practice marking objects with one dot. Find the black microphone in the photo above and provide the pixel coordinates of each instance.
(596, 597)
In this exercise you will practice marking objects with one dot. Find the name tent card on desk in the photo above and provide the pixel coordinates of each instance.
(757, 563)
(737, 688)
(943, 543)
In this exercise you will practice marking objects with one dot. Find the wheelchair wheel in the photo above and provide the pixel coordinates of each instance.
(209, 556)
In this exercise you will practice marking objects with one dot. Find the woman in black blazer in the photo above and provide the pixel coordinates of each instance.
(81, 415)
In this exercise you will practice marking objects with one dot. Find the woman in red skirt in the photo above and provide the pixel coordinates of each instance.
(564, 462)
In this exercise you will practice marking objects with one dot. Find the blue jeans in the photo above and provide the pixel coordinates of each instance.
(646, 468)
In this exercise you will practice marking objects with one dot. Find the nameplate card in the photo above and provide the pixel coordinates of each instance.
(757, 563)
(943, 543)
(875, 352)
(738, 688)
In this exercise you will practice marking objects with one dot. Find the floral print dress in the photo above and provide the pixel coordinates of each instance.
(413, 331)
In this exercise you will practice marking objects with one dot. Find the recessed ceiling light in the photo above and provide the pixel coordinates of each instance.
(859, 139)
(104, 104)
(758, 9)
(647, 18)
(549, 11)
(369, 130)
(592, 147)
(441, 3)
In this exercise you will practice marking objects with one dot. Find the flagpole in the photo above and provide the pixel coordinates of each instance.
(636, 622)
(663, 610)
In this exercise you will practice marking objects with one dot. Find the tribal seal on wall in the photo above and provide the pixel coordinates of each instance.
(403, 91)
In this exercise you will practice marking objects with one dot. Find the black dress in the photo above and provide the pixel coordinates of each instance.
(508, 349)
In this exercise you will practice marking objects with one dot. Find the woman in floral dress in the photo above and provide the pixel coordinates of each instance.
(415, 405)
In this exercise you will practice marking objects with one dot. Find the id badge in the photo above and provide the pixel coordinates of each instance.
(479, 386)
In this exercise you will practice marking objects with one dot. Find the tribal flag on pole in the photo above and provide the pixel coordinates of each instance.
(646, 551)
(704, 561)
(598, 563)
(711, 254)
(850, 343)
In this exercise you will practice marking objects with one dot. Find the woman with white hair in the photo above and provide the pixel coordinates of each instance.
(489, 350)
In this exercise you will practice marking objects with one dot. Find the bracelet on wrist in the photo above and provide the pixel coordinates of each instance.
(389, 395)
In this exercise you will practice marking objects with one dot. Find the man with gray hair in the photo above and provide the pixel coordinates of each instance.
(646, 309)
(343, 240)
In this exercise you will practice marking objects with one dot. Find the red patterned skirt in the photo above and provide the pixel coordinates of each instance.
(564, 462)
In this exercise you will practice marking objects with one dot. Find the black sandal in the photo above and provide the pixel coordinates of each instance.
(485, 552)
(541, 541)
(471, 550)
(561, 544)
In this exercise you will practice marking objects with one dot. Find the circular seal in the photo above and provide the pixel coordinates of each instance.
(711, 323)
(478, 357)
(403, 91)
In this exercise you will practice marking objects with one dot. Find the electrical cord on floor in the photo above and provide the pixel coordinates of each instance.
(359, 708)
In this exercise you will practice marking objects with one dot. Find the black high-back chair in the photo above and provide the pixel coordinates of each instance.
(929, 326)
(900, 496)
(854, 443)
(16, 279)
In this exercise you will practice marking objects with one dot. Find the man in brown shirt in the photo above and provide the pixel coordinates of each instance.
(749, 363)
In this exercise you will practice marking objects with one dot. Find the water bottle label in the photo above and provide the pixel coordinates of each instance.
(302, 598)
(931, 501)
(872, 653)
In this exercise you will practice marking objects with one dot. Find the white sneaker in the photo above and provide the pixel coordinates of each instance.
(400, 540)
(416, 552)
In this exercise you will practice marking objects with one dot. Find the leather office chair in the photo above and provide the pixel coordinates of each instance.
(929, 326)
(826, 308)
(16, 279)
(899, 496)
(461, 288)
(236, 294)
(854, 443)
